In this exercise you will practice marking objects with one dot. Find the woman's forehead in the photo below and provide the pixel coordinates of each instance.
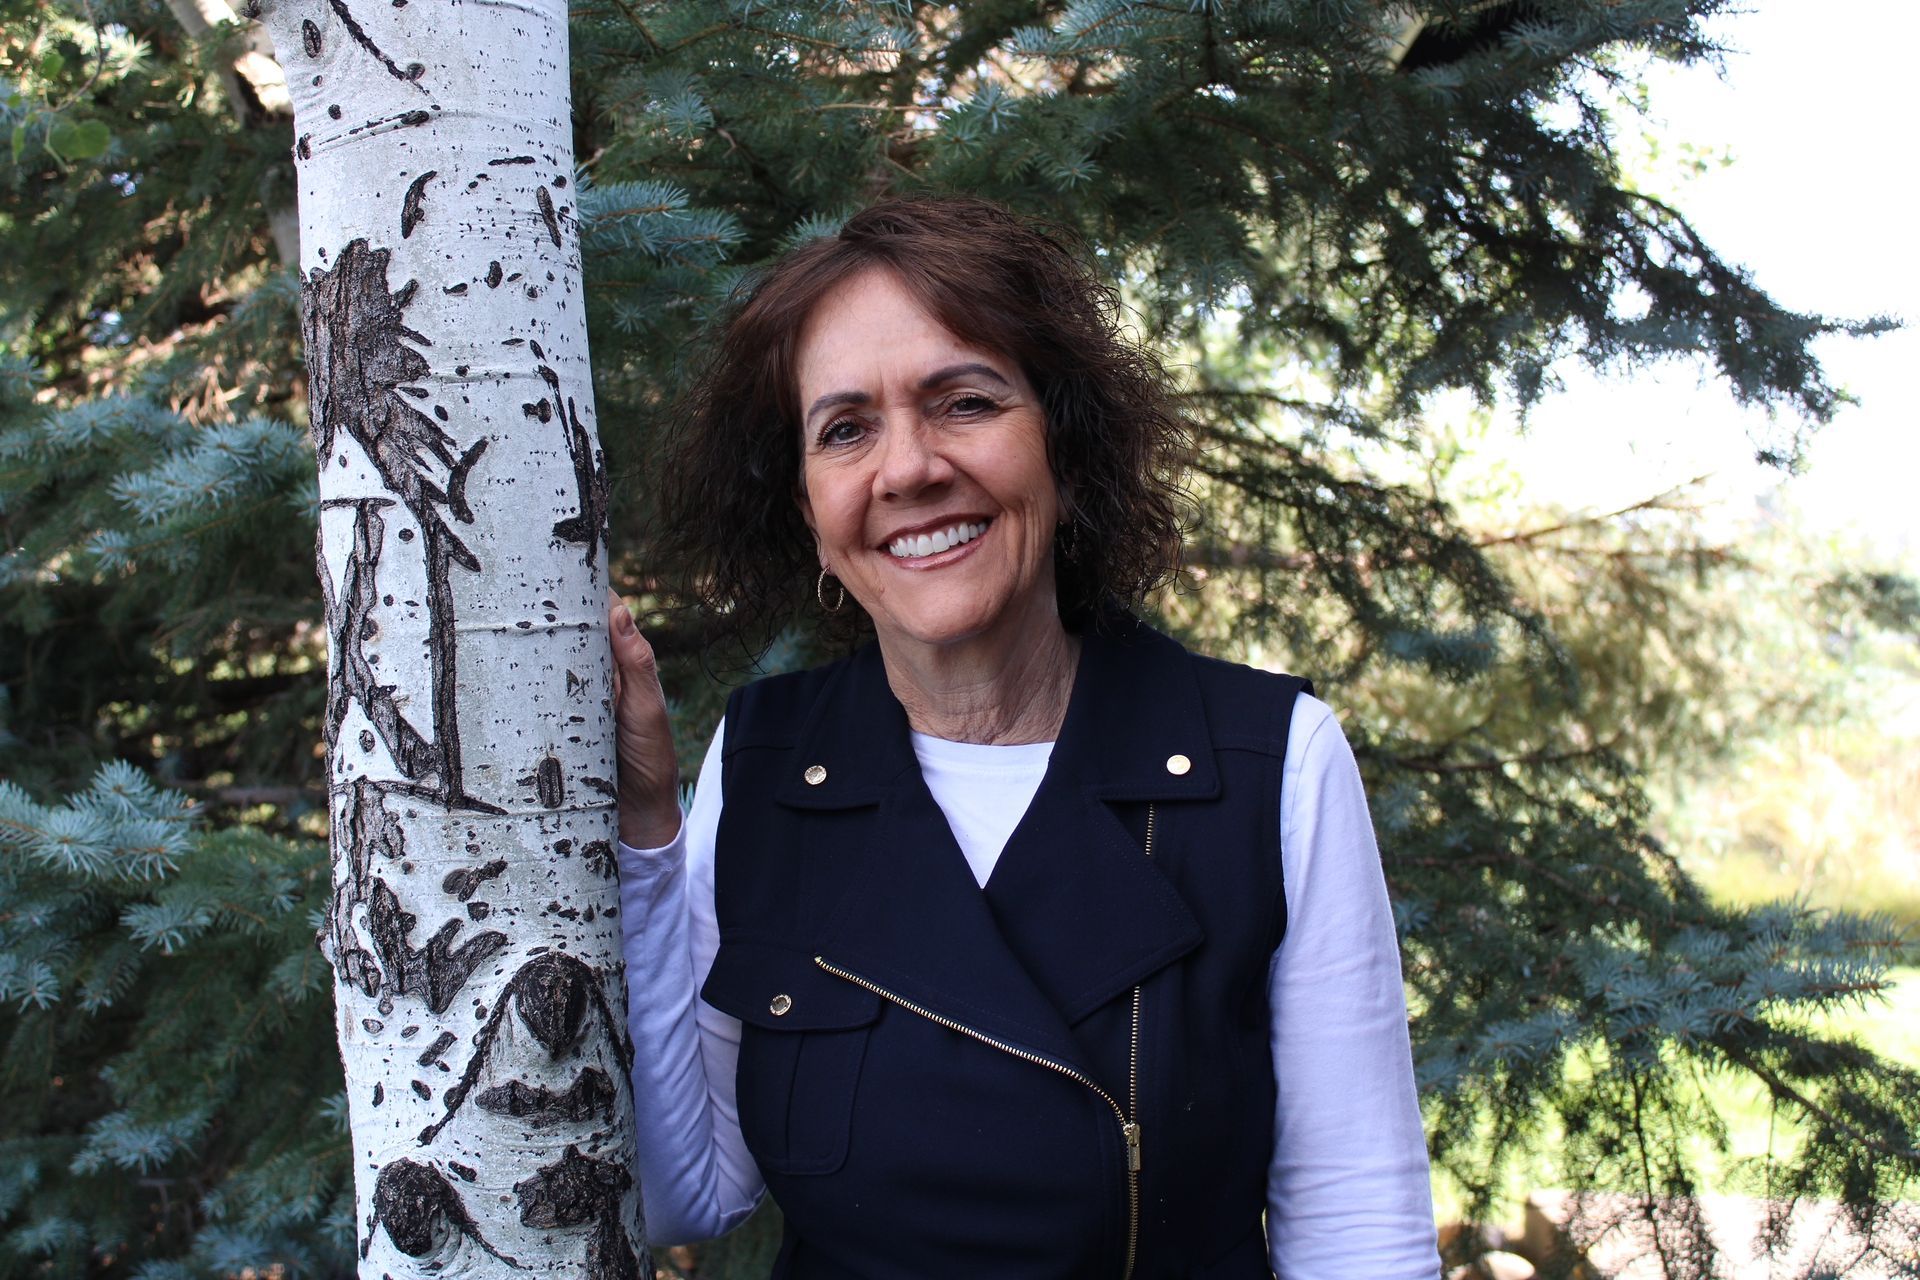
(871, 327)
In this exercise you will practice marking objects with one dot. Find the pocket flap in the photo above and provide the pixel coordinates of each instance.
(782, 989)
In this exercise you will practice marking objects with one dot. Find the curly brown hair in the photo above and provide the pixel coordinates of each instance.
(728, 529)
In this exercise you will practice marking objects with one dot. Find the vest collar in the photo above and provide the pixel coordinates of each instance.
(1135, 706)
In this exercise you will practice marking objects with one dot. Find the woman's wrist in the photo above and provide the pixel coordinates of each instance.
(651, 823)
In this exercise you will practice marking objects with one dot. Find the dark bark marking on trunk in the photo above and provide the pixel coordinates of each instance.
(431, 1054)
(310, 37)
(464, 883)
(549, 783)
(353, 678)
(435, 972)
(330, 614)
(304, 147)
(478, 911)
(466, 1172)
(575, 1189)
(421, 1211)
(385, 124)
(444, 549)
(553, 994)
(580, 1189)
(610, 1251)
(599, 859)
(455, 290)
(601, 785)
(361, 38)
(361, 360)
(547, 215)
(420, 1087)
(379, 1094)
(334, 112)
(590, 1095)
(494, 275)
(589, 527)
(370, 831)
(513, 160)
(413, 204)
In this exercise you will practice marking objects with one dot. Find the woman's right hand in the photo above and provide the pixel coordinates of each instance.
(649, 773)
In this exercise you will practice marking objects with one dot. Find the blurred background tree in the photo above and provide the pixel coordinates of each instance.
(1333, 218)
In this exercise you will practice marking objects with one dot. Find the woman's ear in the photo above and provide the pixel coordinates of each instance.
(806, 511)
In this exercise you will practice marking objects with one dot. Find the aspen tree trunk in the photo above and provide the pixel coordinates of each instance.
(474, 929)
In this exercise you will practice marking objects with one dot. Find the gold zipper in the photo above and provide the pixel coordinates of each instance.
(1129, 1131)
(1132, 1127)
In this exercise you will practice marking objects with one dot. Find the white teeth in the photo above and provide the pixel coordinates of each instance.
(915, 545)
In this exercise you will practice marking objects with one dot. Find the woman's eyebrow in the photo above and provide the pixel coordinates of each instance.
(950, 373)
(954, 372)
(833, 398)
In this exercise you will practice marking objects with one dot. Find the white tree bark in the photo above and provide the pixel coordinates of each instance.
(474, 928)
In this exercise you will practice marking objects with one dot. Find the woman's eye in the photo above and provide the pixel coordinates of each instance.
(845, 431)
(969, 404)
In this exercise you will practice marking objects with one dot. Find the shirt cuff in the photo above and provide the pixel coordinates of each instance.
(672, 853)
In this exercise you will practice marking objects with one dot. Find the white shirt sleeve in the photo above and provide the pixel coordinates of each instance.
(697, 1179)
(1348, 1196)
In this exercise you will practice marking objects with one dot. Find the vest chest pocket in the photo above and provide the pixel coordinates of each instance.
(802, 1039)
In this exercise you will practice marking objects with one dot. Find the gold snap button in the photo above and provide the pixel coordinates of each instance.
(1177, 764)
(780, 1004)
(815, 774)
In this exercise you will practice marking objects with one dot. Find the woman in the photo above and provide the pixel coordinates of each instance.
(1026, 943)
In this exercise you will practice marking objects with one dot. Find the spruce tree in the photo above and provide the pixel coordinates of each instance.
(1328, 213)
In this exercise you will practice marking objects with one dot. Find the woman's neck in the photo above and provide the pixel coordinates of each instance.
(988, 693)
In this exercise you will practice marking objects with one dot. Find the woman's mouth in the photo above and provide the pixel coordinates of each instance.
(919, 546)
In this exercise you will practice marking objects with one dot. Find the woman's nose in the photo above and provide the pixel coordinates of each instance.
(910, 461)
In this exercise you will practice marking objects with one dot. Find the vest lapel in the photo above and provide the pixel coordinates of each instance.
(1085, 911)
(910, 918)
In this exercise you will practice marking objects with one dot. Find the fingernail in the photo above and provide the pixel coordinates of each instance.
(625, 623)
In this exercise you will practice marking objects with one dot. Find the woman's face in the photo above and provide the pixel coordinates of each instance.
(923, 471)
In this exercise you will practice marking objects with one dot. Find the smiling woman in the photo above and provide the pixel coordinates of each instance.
(1025, 942)
(990, 290)
(926, 485)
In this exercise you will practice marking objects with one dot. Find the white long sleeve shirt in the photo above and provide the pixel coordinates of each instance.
(1347, 1186)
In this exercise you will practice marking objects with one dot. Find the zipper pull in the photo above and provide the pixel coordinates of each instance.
(1131, 1132)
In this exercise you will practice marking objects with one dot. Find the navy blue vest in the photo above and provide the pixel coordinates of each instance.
(1063, 1073)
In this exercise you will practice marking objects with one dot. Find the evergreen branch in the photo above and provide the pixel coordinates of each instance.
(1780, 1088)
(1661, 501)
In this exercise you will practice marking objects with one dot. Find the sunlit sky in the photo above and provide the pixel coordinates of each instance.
(1813, 113)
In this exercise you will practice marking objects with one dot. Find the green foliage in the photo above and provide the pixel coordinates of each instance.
(162, 1006)
(1322, 242)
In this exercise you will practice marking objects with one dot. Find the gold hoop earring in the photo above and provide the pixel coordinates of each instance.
(820, 593)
